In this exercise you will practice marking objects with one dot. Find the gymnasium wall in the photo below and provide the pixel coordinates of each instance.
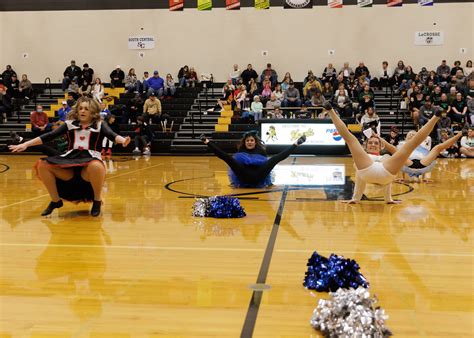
(211, 41)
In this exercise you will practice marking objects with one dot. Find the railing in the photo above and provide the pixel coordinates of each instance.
(47, 82)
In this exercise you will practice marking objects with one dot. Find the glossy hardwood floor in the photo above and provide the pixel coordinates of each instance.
(147, 268)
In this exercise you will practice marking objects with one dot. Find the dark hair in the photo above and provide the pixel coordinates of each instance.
(258, 142)
(85, 65)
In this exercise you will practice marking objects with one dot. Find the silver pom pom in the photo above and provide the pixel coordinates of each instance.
(350, 313)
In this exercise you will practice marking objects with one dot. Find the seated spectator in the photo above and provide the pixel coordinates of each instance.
(452, 94)
(436, 96)
(350, 86)
(275, 114)
(311, 83)
(132, 85)
(366, 97)
(143, 136)
(432, 78)
(279, 93)
(384, 78)
(271, 73)
(361, 69)
(26, 88)
(13, 87)
(87, 74)
(63, 111)
(193, 78)
(370, 123)
(468, 69)
(152, 109)
(71, 72)
(303, 113)
(292, 97)
(309, 76)
(444, 123)
(459, 81)
(444, 73)
(469, 92)
(411, 90)
(329, 73)
(452, 151)
(444, 103)
(426, 111)
(342, 103)
(169, 87)
(39, 121)
(85, 89)
(73, 89)
(457, 66)
(423, 75)
(316, 100)
(104, 112)
(144, 84)
(71, 102)
(7, 75)
(409, 75)
(135, 109)
(253, 88)
(285, 84)
(272, 103)
(5, 104)
(470, 111)
(266, 88)
(327, 91)
(116, 77)
(393, 137)
(459, 110)
(228, 97)
(106, 143)
(249, 74)
(183, 76)
(399, 72)
(346, 70)
(156, 85)
(256, 108)
(312, 90)
(97, 90)
(234, 76)
(467, 143)
(239, 96)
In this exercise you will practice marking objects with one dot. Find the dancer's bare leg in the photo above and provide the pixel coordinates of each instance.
(434, 153)
(94, 173)
(361, 159)
(397, 160)
(48, 175)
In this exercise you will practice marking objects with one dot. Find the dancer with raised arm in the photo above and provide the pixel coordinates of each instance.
(371, 167)
(250, 167)
(77, 175)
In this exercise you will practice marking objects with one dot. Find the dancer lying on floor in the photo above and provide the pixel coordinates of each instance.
(250, 167)
(371, 167)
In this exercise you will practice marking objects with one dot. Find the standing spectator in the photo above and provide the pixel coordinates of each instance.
(345, 71)
(169, 87)
(183, 76)
(467, 143)
(292, 97)
(26, 88)
(443, 71)
(106, 143)
(7, 75)
(193, 78)
(393, 137)
(329, 73)
(63, 111)
(457, 66)
(87, 73)
(156, 85)
(271, 73)
(398, 72)
(5, 104)
(256, 108)
(72, 72)
(459, 110)
(85, 89)
(13, 87)
(131, 81)
(235, 74)
(98, 90)
(361, 69)
(152, 109)
(468, 68)
(39, 121)
(116, 77)
(248, 74)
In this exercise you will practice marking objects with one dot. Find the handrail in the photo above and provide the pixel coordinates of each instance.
(47, 82)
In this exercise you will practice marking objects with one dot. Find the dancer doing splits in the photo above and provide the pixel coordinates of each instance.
(371, 167)
(77, 175)
(250, 167)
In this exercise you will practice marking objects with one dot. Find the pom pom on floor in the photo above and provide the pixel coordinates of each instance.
(218, 207)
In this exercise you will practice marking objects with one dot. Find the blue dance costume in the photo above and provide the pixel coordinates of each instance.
(251, 168)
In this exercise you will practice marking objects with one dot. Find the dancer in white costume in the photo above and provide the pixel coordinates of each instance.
(371, 167)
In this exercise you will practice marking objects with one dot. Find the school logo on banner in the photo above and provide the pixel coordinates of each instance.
(176, 5)
(425, 2)
(262, 4)
(204, 5)
(394, 3)
(365, 3)
(335, 3)
(429, 38)
(298, 4)
(232, 4)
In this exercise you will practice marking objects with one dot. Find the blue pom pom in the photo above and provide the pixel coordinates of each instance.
(219, 207)
(330, 274)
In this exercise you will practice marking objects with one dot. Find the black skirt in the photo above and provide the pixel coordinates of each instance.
(76, 158)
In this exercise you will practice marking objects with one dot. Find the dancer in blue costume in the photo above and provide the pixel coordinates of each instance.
(250, 167)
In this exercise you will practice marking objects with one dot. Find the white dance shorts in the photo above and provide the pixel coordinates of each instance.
(376, 174)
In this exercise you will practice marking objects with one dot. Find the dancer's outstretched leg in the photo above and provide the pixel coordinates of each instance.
(361, 159)
(434, 153)
(398, 160)
(236, 167)
(266, 168)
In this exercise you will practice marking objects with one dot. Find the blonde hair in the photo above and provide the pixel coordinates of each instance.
(94, 109)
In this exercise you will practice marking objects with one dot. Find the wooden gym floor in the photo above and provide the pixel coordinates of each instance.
(147, 268)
